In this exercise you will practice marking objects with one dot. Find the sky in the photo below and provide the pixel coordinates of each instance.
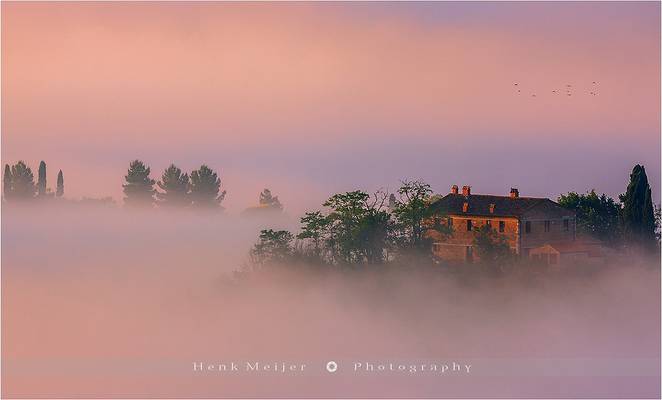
(309, 99)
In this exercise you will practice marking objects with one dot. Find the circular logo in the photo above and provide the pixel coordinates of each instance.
(331, 366)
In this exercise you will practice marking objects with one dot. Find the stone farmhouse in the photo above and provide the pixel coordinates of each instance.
(535, 228)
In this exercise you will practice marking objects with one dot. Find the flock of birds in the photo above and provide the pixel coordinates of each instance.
(568, 90)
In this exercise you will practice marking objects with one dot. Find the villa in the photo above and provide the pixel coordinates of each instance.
(536, 228)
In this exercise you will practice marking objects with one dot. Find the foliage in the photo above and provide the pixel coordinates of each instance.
(59, 191)
(175, 186)
(21, 182)
(7, 182)
(638, 215)
(658, 222)
(314, 227)
(412, 212)
(491, 248)
(139, 188)
(358, 228)
(41, 182)
(205, 188)
(273, 247)
(269, 201)
(597, 216)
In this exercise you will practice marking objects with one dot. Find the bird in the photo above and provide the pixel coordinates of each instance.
(568, 85)
(516, 84)
(533, 95)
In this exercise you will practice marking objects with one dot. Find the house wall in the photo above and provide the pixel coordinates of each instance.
(555, 215)
(454, 247)
(539, 237)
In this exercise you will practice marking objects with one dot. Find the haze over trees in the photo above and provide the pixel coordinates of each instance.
(270, 201)
(59, 191)
(19, 185)
(6, 182)
(268, 205)
(205, 188)
(357, 229)
(633, 221)
(139, 187)
(41, 182)
(363, 229)
(596, 216)
(175, 187)
(638, 211)
(412, 214)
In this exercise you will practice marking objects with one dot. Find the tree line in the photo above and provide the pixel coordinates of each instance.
(19, 185)
(358, 228)
(200, 189)
(632, 219)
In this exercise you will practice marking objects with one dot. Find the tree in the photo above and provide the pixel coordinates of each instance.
(22, 182)
(273, 247)
(314, 228)
(597, 216)
(175, 186)
(412, 212)
(269, 201)
(41, 181)
(7, 182)
(139, 188)
(205, 187)
(638, 215)
(658, 223)
(358, 227)
(59, 191)
(492, 249)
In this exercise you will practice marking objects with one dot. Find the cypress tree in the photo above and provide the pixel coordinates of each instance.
(175, 186)
(59, 191)
(638, 214)
(139, 188)
(7, 182)
(41, 181)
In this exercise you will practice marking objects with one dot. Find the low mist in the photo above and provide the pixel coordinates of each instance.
(106, 302)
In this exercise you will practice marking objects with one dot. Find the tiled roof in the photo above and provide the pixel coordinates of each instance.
(479, 204)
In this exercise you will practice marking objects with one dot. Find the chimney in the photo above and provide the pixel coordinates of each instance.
(492, 208)
(514, 193)
(466, 190)
(465, 207)
(454, 189)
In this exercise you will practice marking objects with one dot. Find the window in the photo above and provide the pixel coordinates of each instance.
(566, 225)
(450, 222)
(469, 254)
(527, 227)
(488, 223)
(502, 226)
(469, 225)
(436, 247)
(547, 225)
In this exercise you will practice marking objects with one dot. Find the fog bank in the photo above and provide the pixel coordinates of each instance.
(102, 302)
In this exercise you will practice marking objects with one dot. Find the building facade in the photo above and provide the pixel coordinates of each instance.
(525, 223)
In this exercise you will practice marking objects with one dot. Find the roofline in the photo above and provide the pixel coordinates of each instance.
(468, 214)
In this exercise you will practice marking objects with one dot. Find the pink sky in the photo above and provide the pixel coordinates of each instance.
(309, 99)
